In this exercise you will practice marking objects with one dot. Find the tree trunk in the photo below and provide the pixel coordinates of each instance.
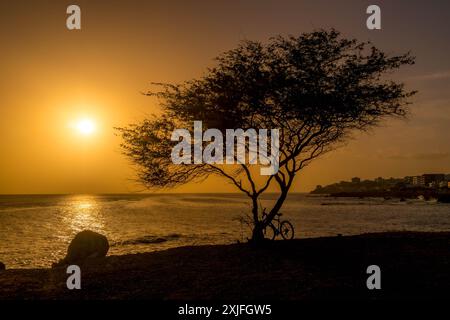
(276, 208)
(259, 226)
(257, 233)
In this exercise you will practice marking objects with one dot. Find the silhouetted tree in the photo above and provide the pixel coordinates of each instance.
(315, 88)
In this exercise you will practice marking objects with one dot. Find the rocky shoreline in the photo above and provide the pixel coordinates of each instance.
(425, 195)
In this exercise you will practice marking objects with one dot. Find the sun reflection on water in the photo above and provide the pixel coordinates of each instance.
(83, 212)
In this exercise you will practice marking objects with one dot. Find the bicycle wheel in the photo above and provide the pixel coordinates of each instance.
(270, 232)
(287, 230)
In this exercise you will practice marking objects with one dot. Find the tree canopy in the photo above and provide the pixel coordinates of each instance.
(316, 88)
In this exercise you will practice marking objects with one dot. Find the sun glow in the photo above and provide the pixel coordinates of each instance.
(85, 126)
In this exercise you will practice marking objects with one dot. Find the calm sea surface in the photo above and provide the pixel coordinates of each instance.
(36, 230)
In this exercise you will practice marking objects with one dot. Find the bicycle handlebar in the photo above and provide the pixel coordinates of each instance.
(264, 214)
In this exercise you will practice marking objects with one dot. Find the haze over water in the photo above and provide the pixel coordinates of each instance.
(36, 230)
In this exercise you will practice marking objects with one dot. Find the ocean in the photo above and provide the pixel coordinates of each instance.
(35, 230)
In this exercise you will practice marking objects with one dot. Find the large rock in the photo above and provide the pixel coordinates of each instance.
(2, 266)
(86, 244)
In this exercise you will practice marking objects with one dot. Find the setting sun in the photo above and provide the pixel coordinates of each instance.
(85, 126)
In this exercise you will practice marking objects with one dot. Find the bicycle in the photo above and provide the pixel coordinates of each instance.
(283, 228)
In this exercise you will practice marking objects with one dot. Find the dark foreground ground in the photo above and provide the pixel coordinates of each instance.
(413, 265)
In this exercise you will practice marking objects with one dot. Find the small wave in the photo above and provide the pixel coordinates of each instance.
(150, 239)
(15, 209)
(348, 203)
(213, 200)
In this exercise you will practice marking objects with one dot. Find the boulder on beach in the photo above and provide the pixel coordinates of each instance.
(2, 266)
(86, 244)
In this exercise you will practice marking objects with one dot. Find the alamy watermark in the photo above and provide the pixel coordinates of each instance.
(237, 144)
(74, 280)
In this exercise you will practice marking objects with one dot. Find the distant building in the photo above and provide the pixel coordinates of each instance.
(356, 180)
(428, 179)
(418, 181)
(433, 177)
(408, 180)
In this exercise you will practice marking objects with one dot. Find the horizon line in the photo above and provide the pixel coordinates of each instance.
(129, 193)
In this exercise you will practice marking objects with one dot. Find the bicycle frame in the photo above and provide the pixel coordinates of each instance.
(276, 225)
(271, 224)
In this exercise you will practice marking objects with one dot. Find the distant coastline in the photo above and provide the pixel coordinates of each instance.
(425, 187)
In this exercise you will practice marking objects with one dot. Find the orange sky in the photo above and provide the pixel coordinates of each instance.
(50, 77)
